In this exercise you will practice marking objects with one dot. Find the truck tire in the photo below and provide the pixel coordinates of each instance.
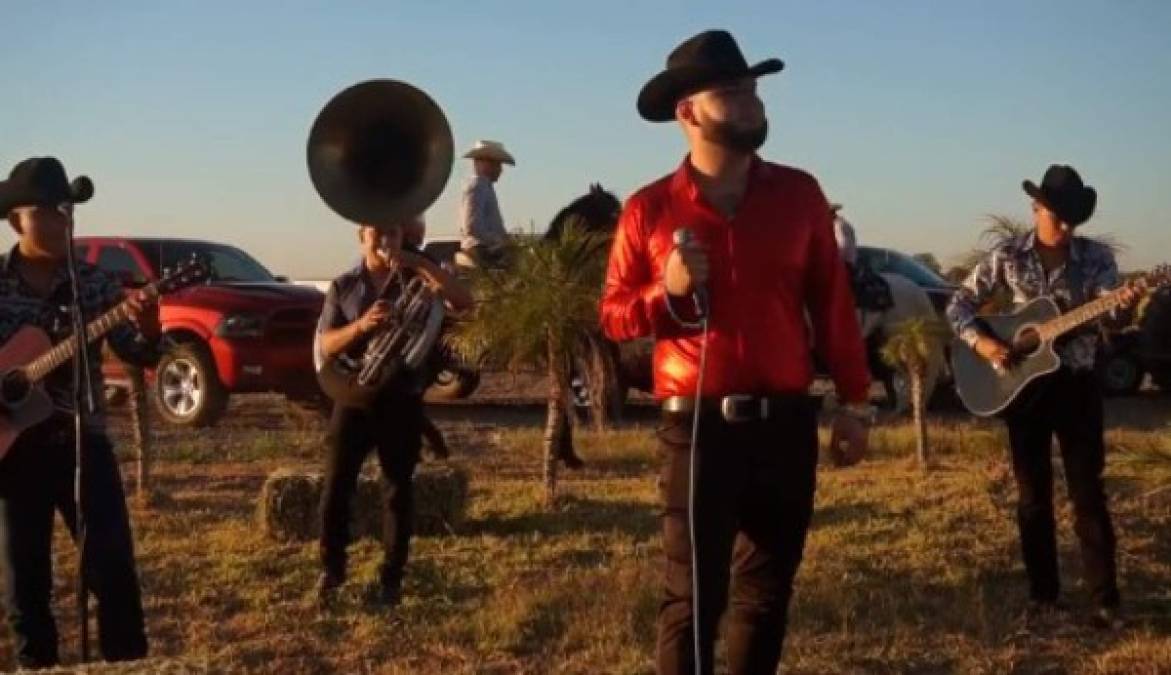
(1120, 373)
(598, 362)
(188, 391)
(454, 382)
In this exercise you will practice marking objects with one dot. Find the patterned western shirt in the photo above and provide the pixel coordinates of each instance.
(1015, 265)
(21, 306)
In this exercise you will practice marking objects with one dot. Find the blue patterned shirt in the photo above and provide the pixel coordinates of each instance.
(1016, 266)
(22, 306)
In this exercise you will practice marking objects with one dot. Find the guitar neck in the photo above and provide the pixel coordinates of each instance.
(1055, 328)
(95, 330)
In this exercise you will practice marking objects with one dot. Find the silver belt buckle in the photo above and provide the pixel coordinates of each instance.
(730, 408)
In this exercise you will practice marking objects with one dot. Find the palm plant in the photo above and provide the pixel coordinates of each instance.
(537, 312)
(140, 418)
(911, 347)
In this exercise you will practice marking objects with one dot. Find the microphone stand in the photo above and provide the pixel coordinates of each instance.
(83, 395)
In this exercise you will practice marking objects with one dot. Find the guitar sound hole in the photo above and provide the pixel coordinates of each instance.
(14, 388)
(1027, 342)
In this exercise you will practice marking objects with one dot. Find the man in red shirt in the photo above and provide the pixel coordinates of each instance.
(762, 259)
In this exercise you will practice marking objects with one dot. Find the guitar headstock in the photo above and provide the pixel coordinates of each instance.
(186, 273)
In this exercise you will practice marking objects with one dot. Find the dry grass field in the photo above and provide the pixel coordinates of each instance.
(905, 571)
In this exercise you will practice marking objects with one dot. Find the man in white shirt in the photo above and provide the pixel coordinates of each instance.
(844, 233)
(482, 232)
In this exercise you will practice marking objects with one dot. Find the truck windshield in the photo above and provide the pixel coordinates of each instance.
(227, 263)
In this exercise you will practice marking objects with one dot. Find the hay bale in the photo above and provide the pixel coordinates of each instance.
(290, 502)
(289, 505)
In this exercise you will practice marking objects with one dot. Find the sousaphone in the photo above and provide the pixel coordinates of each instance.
(381, 152)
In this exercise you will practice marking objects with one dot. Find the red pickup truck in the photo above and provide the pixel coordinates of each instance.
(244, 331)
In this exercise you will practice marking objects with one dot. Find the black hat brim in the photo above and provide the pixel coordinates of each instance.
(656, 101)
(13, 195)
(1072, 212)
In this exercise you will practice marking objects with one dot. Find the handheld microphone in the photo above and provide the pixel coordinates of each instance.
(683, 238)
(82, 188)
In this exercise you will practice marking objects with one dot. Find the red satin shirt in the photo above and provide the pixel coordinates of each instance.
(775, 260)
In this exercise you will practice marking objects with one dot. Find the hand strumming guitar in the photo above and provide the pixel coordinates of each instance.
(992, 349)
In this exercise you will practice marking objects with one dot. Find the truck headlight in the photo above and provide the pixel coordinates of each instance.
(241, 326)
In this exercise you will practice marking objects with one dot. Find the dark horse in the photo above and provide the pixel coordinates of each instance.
(597, 209)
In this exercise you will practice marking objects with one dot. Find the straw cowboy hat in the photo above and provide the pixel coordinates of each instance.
(490, 150)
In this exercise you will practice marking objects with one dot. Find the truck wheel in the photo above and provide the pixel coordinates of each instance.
(454, 383)
(188, 391)
(1120, 374)
(898, 390)
(597, 371)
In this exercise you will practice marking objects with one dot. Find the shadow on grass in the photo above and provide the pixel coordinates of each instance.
(617, 466)
(430, 581)
(842, 514)
(1145, 411)
(572, 515)
(865, 595)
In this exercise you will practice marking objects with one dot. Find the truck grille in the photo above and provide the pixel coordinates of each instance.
(290, 326)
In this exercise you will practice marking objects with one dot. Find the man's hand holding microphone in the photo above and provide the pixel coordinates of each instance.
(686, 272)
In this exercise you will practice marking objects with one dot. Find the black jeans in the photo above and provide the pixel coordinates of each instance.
(37, 478)
(754, 495)
(393, 427)
(1069, 405)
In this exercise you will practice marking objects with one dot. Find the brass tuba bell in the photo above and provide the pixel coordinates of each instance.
(380, 151)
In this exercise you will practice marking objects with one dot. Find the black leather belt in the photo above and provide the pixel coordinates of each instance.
(738, 408)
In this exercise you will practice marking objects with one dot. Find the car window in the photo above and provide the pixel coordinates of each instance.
(227, 263)
(886, 261)
(915, 271)
(119, 263)
(873, 259)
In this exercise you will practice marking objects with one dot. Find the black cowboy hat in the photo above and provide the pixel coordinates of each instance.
(1063, 193)
(710, 57)
(41, 181)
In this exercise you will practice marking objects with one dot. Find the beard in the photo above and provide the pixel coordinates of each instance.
(734, 137)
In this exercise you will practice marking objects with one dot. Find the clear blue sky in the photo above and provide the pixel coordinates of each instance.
(920, 116)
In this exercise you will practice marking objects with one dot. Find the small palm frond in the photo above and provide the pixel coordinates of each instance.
(914, 342)
(1001, 230)
(548, 292)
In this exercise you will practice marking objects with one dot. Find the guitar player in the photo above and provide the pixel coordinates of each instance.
(37, 474)
(1051, 260)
